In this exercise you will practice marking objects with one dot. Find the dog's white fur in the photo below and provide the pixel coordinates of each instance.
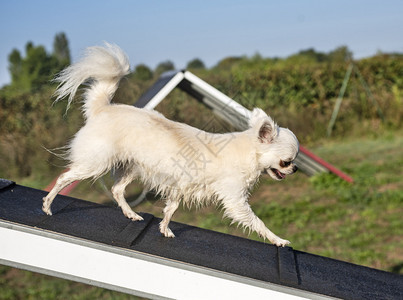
(179, 162)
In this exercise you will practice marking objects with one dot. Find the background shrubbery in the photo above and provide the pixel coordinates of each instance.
(298, 91)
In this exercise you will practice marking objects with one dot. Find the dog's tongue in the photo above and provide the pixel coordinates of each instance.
(279, 174)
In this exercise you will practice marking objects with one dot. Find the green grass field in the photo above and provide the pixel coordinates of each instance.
(359, 223)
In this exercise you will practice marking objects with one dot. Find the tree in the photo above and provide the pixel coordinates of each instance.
(29, 72)
(142, 72)
(311, 53)
(37, 67)
(15, 65)
(228, 62)
(195, 64)
(341, 54)
(164, 67)
(61, 49)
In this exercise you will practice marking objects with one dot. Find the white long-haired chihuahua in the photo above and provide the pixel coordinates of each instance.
(179, 162)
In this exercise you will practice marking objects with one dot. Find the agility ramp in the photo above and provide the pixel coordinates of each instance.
(95, 244)
(226, 109)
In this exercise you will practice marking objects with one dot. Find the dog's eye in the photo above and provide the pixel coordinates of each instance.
(284, 164)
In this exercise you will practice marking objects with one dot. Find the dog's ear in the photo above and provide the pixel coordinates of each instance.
(265, 128)
(267, 132)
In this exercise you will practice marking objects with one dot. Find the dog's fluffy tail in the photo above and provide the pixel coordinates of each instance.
(105, 66)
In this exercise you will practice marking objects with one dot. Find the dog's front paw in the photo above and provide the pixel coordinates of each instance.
(46, 207)
(281, 243)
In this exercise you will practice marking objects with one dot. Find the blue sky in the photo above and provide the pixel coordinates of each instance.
(154, 31)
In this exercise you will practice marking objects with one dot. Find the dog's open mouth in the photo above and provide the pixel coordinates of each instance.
(278, 174)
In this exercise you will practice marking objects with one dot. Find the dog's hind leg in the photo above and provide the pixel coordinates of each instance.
(169, 210)
(118, 190)
(64, 180)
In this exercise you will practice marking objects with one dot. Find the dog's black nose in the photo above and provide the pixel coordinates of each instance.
(295, 169)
